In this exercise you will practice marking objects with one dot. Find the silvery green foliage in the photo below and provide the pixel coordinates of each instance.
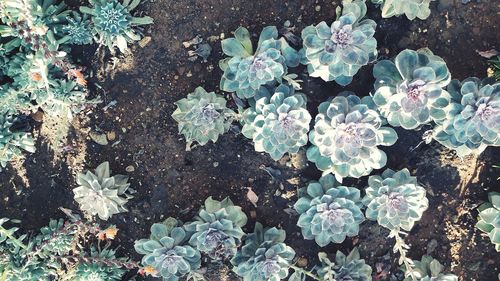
(247, 70)
(429, 269)
(12, 143)
(395, 199)
(113, 24)
(278, 123)
(167, 251)
(338, 51)
(217, 228)
(78, 30)
(95, 271)
(264, 257)
(328, 211)
(411, 8)
(473, 119)
(101, 194)
(202, 117)
(350, 267)
(346, 136)
(409, 91)
(489, 218)
(55, 243)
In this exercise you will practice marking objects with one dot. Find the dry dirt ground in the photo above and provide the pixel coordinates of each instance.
(145, 143)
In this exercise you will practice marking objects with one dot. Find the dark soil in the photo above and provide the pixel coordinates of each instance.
(172, 182)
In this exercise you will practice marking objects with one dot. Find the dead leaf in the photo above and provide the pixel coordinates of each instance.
(252, 197)
(488, 54)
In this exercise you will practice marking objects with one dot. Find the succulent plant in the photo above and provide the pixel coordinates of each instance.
(12, 143)
(409, 91)
(278, 123)
(338, 51)
(94, 271)
(55, 242)
(166, 251)
(346, 136)
(247, 70)
(78, 30)
(202, 117)
(328, 211)
(217, 228)
(350, 267)
(264, 257)
(473, 118)
(113, 23)
(411, 8)
(489, 218)
(429, 269)
(395, 200)
(101, 194)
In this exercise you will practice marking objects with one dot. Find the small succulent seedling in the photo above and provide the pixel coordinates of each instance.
(264, 255)
(101, 194)
(328, 211)
(113, 24)
(166, 251)
(278, 123)
(350, 267)
(429, 269)
(409, 91)
(202, 117)
(12, 143)
(395, 199)
(411, 8)
(247, 70)
(216, 230)
(338, 51)
(489, 218)
(473, 118)
(346, 136)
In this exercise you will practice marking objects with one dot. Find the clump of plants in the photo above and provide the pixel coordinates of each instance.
(12, 143)
(216, 231)
(409, 91)
(410, 8)
(167, 253)
(428, 269)
(473, 118)
(328, 211)
(247, 70)
(264, 256)
(489, 219)
(113, 24)
(346, 136)
(278, 123)
(101, 194)
(64, 250)
(338, 51)
(202, 117)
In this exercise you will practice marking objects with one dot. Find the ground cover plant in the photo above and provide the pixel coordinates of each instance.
(248, 140)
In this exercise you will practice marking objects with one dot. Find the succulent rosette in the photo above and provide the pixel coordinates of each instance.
(338, 51)
(264, 257)
(411, 8)
(202, 117)
(278, 123)
(328, 211)
(473, 119)
(78, 30)
(346, 136)
(12, 143)
(489, 218)
(430, 269)
(217, 228)
(409, 91)
(167, 252)
(395, 200)
(101, 194)
(247, 70)
(350, 267)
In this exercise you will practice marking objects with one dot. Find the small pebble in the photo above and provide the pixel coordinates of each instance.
(130, 169)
